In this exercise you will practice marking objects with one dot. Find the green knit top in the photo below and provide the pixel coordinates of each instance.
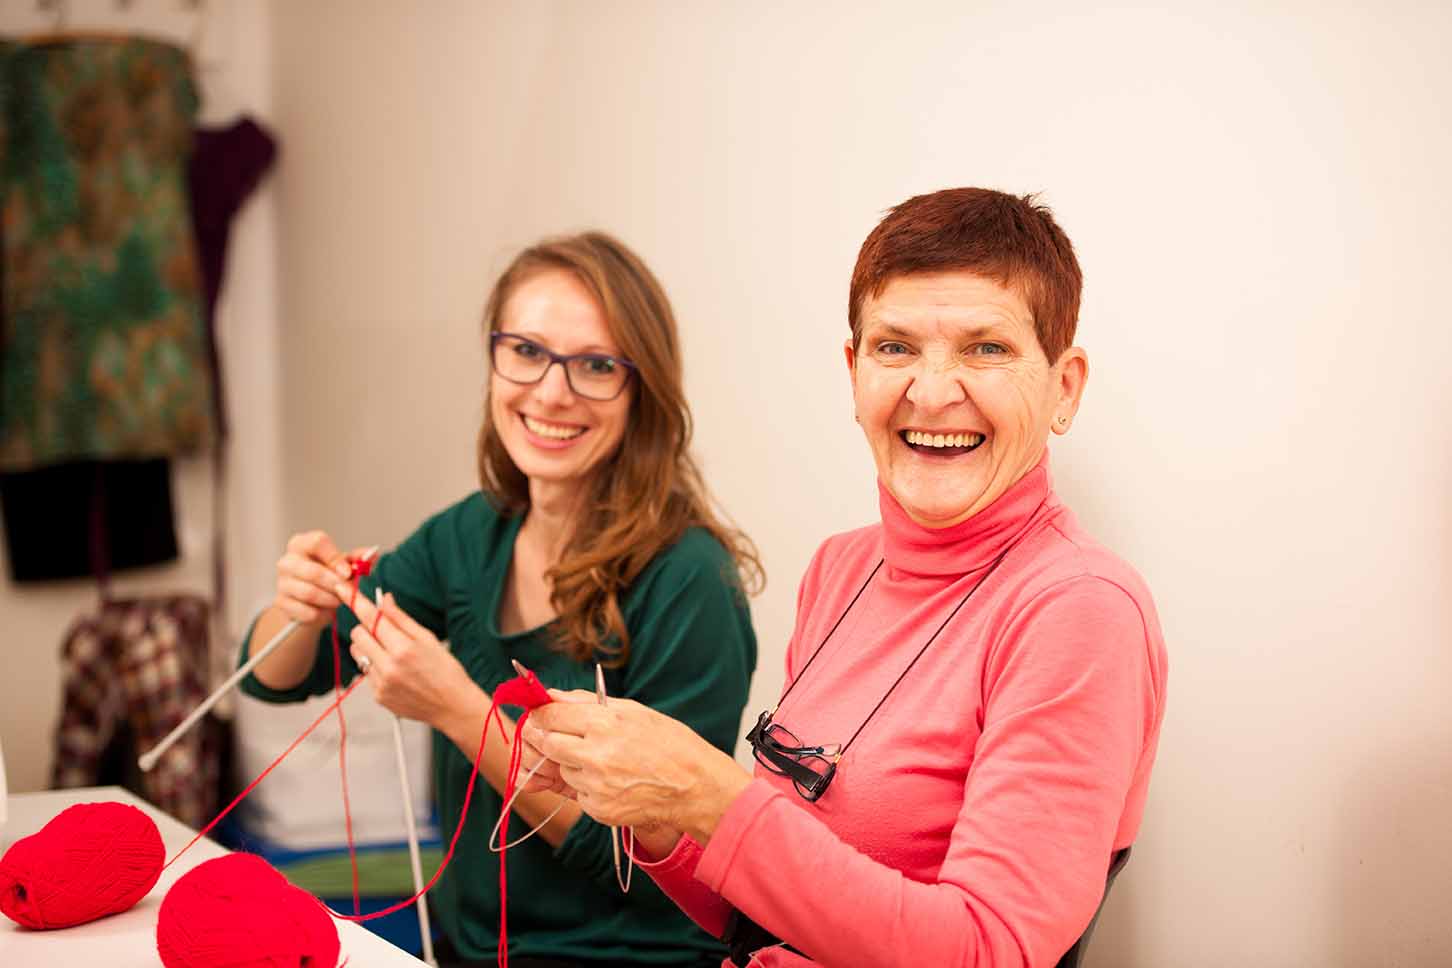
(692, 653)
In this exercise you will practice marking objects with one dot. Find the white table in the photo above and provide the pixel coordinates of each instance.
(128, 940)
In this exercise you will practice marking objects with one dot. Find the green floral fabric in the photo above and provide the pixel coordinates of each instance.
(102, 347)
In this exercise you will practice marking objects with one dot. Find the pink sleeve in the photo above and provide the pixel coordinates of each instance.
(1069, 706)
(676, 877)
(676, 874)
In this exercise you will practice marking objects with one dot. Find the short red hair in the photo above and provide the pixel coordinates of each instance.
(1011, 240)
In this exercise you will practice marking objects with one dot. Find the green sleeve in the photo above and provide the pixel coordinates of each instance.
(413, 573)
(692, 654)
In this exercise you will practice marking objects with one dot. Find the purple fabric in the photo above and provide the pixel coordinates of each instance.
(226, 167)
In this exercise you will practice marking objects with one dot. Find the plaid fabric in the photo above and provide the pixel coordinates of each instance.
(143, 663)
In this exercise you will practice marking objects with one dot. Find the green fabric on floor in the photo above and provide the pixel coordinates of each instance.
(381, 873)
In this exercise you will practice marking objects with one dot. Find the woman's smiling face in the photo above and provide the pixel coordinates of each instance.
(954, 393)
(553, 434)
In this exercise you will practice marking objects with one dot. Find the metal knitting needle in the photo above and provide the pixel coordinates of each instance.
(148, 759)
(624, 883)
(425, 932)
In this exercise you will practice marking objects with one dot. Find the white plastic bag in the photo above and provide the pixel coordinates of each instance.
(300, 806)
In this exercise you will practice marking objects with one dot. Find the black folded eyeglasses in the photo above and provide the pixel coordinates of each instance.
(810, 768)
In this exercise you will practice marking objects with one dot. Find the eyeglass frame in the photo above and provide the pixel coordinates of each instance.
(786, 760)
(563, 359)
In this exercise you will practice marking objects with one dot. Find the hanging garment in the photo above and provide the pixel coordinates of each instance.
(103, 352)
(50, 514)
(226, 167)
(87, 518)
(131, 672)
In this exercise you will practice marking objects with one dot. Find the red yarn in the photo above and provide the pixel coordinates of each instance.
(359, 568)
(237, 911)
(458, 829)
(91, 860)
(509, 785)
(263, 775)
(525, 691)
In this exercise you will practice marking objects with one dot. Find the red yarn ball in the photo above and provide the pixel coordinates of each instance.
(237, 911)
(91, 860)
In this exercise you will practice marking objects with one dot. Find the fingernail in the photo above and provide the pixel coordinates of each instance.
(341, 590)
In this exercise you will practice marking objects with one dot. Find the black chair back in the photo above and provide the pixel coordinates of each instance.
(1074, 957)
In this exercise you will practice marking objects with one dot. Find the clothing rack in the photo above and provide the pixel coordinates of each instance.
(62, 30)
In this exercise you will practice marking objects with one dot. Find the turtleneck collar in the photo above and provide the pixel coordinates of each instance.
(968, 545)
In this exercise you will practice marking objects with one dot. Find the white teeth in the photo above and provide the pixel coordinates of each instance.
(552, 431)
(920, 439)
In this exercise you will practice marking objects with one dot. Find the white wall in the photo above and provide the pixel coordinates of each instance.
(232, 47)
(1258, 198)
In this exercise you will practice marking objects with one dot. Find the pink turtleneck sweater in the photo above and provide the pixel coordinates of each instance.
(973, 821)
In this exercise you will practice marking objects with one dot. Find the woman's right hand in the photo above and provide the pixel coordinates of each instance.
(307, 573)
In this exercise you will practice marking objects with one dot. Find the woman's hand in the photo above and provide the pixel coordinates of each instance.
(546, 779)
(412, 674)
(629, 765)
(653, 842)
(307, 578)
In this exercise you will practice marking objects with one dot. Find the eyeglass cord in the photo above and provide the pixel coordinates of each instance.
(903, 675)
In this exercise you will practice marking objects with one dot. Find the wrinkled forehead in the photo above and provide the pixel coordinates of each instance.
(946, 304)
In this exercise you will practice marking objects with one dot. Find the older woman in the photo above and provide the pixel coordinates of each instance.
(974, 685)
(592, 540)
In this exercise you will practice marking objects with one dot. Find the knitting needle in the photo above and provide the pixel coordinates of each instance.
(148, 759)
(413, 853)
(624, 884)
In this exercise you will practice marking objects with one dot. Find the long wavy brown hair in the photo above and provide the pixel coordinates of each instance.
(649, 491)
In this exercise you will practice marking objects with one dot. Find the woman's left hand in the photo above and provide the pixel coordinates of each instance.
(632, 766)
(411, 672)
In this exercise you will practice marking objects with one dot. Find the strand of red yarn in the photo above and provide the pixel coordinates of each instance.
(527, 692)
(263, 775)
(511, 692)
(493, 714)
(516, 753)
(359, 568)
(524, 691)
